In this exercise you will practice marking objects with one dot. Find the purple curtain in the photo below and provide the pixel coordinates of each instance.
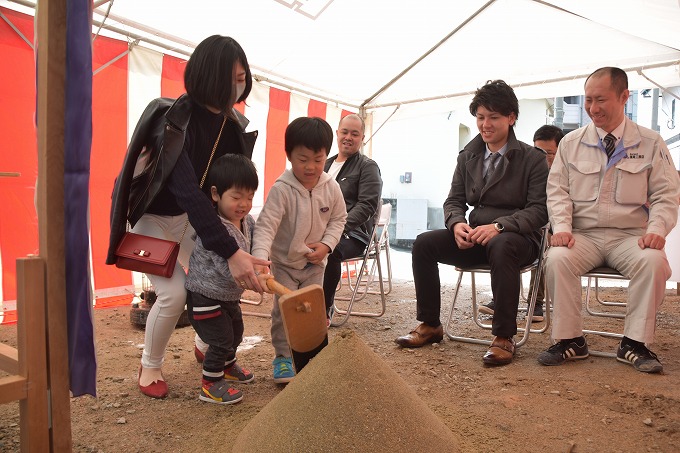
(78, 142)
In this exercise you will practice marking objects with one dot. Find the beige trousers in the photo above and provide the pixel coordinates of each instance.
(647, 270)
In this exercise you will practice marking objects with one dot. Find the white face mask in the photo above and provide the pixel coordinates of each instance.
(240, 88)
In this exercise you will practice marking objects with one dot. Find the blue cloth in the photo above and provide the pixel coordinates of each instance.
(77, 145)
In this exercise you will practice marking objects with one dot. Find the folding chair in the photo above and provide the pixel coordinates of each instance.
(384, 246)
(593, 277)
(485, 269)
(372, 252)
(254, 302)
(596, 274)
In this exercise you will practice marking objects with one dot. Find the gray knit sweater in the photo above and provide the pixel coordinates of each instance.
(209, 273)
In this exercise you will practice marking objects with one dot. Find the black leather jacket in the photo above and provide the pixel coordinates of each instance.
(155, 146)
(361, 186)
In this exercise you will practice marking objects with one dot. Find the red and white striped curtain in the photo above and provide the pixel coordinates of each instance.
(123, 84)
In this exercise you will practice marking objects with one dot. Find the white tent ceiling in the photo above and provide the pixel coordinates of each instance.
(349, 51)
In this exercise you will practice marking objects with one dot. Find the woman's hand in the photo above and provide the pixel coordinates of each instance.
(242, 268)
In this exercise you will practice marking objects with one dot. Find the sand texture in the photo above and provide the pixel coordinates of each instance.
(346, 400)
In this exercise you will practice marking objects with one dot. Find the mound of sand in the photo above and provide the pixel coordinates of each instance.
(346, 400)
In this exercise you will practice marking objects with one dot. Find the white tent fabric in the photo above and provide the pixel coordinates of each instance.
(349, 50)
(399, 60)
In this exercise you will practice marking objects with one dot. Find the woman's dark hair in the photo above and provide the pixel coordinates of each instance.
(208, 74)
(313, 133)
(496, 96)
(232, 170)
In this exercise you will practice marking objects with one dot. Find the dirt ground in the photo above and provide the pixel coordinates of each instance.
(594, 405)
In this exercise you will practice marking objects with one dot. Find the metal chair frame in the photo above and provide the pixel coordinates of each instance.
(253, 302)
(372, 252)
(369, 277)
(595, 274)
(485, 269)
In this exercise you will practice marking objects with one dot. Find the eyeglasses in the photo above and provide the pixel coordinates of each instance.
(547, 152)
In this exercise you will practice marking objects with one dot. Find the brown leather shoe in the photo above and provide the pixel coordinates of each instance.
(423, 335)
(500, 352)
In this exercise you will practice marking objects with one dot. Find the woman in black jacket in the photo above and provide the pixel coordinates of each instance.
(158, 192)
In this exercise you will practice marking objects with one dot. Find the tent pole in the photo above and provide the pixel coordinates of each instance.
(666, 91)
(51, 75)
(426, 54)
(636, 69)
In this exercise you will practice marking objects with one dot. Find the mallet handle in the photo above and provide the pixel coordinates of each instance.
(277, 287)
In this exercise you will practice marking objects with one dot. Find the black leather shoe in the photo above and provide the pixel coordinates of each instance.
(423, 335)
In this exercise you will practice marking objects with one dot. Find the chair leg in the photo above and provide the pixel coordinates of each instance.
(449, 320)
(389, 274)
(254, 313)
(600, 313)
(604, 302)
(353, 287)
(531, 301)
(525, 331)
(389, 268)
(346, 313)
(548, 309)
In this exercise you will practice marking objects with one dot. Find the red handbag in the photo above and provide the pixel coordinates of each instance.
(150, 255)
(147, 254)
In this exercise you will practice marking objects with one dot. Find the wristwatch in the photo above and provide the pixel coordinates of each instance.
(498, 226)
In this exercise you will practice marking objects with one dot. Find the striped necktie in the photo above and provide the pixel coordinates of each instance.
(493, 159)
(609, 144)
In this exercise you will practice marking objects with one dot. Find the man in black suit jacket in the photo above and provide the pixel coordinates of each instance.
(503, 180)
(361, 185)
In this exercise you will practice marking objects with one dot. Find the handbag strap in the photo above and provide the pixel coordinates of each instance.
(205, 173)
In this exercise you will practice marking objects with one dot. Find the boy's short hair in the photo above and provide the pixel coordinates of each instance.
(496, 96)
(232, 170)
(549, 132)
(311, 132)
(209, 72)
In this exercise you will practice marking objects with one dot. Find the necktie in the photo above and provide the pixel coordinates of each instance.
(609, 144)
(493, 159)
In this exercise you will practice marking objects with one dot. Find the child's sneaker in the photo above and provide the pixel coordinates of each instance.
(283, 369)
(235, 373)
(220, 392)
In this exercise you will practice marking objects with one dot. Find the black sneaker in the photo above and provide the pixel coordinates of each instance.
(487, 309)
(640, 357)
(560, 352)
(538, 312)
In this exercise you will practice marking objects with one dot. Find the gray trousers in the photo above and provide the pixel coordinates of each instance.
(292, 279)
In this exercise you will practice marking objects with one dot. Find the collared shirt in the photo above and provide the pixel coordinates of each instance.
(487, 157)
(617, 133)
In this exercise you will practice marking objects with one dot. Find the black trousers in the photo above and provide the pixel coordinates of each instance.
(506, 254)
(348, 247)
(221, 329)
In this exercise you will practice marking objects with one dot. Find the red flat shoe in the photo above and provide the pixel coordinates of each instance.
(157, 389)
(200, 357)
